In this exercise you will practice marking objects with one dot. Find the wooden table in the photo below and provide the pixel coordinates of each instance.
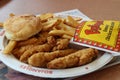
(95, 9)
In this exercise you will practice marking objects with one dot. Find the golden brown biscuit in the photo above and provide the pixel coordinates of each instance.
(22, 27)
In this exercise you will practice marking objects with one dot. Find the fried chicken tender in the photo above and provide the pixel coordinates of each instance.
(17, 52)
(51, 40)
(27, 42)
(61, 44)
(38, 48)
(42, 38)
(78, 58)
(42, 58)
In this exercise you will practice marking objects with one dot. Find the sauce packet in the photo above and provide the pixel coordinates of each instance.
(102, 35)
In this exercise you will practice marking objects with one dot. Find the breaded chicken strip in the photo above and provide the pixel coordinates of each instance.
(61, 44)
(38, 48)
(42, 58)
(51, 40)
(41, 39)
(78, 58)
(17, 52)
(27, 42)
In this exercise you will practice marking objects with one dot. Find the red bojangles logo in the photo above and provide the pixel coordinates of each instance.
(94, 29)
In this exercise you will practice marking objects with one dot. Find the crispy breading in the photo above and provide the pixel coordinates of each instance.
(78, 58)
(51, 40)
(41, 39)
(61, 44)
(42, 58)
(38, 48)
(27, 42)
(17, 52)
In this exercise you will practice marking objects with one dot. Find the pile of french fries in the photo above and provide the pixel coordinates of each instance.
(64, 27)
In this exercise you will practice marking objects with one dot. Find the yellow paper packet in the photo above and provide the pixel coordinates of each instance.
(102, 35)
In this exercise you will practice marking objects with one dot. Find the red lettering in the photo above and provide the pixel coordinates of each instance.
(29, 68)
(94, 29)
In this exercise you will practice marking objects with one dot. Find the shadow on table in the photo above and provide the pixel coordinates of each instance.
(4, 2)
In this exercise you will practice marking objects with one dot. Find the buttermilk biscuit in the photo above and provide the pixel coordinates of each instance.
(22, 27)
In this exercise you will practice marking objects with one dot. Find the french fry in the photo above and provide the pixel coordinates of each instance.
(62, 19)
(11, 14)
(45, 17)
(65, 27)
(71, 22)
(77, 19)
(1, 25)
(60, 33)
(50, 24)
(10, 46)
(66, 36)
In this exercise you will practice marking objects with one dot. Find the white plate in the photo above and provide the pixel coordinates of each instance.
(15, 64)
